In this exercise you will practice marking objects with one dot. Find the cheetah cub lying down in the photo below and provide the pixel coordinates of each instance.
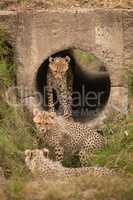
(40, 165)
(65, 136)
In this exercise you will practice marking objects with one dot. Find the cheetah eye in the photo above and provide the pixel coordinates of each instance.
(29, 154)
(51, 59)
(67, 58)
(52, 117)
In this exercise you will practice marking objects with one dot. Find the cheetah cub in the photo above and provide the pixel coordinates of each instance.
(38, 162)
(64, 136)
(60, 78)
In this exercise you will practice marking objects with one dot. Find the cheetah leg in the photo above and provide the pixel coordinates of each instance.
(69, 104)
(67, 113)
(87, 151)
(50, 98)
(84, 157)
(59, 153)
(89, 147)
(63, 98)
(69, 91)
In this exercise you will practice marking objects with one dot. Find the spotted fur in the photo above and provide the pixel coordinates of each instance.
(40, 165)
(66, 136)
(60, 78)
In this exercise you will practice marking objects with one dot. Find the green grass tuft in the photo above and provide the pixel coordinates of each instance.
(84, 57)
(118, 153)
(17, 133)
(7, 64)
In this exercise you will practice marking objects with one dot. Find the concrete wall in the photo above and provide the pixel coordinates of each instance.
(106, 33)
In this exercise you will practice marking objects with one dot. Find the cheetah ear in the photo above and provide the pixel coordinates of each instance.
(35, 111)
(51, 59)
(67, 58)
(45, 152)
(28, 153)
(36, 119)
(53, 114)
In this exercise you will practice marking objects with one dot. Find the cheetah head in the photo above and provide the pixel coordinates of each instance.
(34, 157)
(59, 66)
(44, 120)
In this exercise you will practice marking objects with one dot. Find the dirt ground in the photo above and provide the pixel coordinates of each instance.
(47, 4)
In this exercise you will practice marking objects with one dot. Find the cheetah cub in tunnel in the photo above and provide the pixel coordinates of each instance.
(64, 136)
(40, 165)
(60, 78)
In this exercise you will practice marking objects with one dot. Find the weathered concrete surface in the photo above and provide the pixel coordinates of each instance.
(47, 32)
(128, 39)
(8, 21)
(106, 33)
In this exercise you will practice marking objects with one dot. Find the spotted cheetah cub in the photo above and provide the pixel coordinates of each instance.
(60, 78)
(65, 136)
(40, 165)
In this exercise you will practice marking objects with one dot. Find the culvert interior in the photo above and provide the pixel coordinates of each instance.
(91, 85)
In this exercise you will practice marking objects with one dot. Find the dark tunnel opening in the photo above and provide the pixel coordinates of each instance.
(91, 89)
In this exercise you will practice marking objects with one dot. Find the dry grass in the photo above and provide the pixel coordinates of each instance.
(85, 188)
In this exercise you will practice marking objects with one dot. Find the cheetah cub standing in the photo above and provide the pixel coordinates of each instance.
(64, 136)
(40, 165)
(60, 78)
